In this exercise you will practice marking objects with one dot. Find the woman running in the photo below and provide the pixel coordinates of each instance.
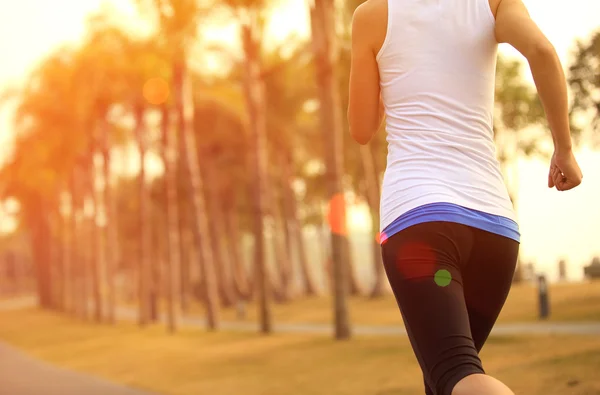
(449, 234)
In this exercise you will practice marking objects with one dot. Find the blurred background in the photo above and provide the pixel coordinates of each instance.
(185, 164)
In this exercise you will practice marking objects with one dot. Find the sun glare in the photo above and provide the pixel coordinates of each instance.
(359, 218)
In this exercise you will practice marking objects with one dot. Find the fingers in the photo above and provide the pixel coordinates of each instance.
(566, 185)
(569, 184)
(550, 180)
(558, 178)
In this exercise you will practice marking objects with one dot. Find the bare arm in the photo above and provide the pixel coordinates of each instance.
(515, 27)
(365, 110)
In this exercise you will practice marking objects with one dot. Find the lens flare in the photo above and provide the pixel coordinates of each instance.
(381, 238)
(336, 216)
(156, 91)
(416, 260)
(443, 278)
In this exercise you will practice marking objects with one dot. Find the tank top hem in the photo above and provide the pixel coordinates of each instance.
(388, 217)
(448, 212)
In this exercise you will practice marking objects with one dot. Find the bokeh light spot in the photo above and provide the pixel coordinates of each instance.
(156, 91)
(443, 278)
(416, 260)
(381, 238)
(336, 216)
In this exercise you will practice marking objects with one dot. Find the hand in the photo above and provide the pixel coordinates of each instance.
(564, 171)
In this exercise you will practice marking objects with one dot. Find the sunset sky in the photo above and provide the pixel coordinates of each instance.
(553, 224)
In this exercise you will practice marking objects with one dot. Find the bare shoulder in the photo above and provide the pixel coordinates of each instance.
(494, 4)
(370, 22)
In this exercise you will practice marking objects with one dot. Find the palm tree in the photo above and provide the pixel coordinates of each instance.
(178, 21)
(143, 228)
(104, 65)
(224, 144)
(255, 102)
(232, 228)
(216, 227)
(173, 258)
(280, 236)
(185, 243)
(185, 113)
(46, 146)
(67, 255)
(289, 144)
(110, 235)
(80, 229)
(94, 235)
(326, 52)
(296, 228)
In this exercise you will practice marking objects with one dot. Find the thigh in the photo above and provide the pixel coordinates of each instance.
(487, 280)
(417, 262)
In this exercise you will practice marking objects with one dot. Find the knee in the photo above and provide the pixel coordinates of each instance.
(480, 384)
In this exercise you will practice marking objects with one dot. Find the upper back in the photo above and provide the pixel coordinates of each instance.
(437, 65)
(377, 12)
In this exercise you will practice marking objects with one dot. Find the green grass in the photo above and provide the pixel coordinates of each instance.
(569, 302)
(196, 363)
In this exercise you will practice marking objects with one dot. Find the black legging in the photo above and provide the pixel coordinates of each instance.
(450, 282)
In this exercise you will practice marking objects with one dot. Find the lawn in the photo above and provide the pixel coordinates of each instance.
(197, 363)
(569, 302)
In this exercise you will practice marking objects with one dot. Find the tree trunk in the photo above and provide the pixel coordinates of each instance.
(185, 244)
(184, 263)
(95, 263)
(59, 267)
(40, 246)
(282, 257)
(322, 15)
(144, 235)
(190, 250)
(240, 276)
(295, 227)
(215, 225)
(372, 193)
(67, 260)
(255, 101)
(324, 246)
(77, 255)
(173, 259)
(111, 240)
(352, 277)
(155, 261)
(84, 239)
(185, 111)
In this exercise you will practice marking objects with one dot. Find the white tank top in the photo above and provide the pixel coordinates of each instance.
(437, 69)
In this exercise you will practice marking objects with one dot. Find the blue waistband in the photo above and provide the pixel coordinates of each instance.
(448, 212)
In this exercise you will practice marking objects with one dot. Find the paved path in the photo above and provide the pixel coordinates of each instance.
(23, 375)
(527, 328)
(20, 302)
(579, 328)
(533, 328)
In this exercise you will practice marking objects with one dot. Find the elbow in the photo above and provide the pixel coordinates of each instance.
(362, 127)
(360, 135)
(361, 139)
(541, 52)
